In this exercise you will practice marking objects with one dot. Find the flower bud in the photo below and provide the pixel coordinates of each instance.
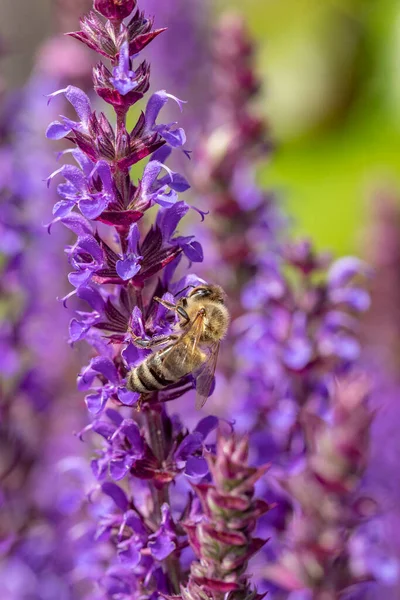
(116, 10)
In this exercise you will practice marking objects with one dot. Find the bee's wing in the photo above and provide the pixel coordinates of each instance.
(205, 378)
(190, 341)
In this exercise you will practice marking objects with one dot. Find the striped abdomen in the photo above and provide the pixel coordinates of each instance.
(151, 375)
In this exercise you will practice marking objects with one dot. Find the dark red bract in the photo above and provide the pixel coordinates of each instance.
(116, 10)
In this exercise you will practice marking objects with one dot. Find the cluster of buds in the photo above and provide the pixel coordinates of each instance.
(222, 538)
(328, 504)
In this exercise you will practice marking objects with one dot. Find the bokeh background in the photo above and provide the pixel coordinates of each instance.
(331, 93)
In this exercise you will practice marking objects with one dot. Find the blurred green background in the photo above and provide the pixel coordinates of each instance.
(332, 87)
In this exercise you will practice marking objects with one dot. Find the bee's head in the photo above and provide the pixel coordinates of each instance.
(210, 292)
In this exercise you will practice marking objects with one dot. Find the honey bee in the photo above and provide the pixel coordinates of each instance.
(203, 322)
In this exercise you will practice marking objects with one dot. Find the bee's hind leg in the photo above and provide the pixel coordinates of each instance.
(145, 401)
(143, 398)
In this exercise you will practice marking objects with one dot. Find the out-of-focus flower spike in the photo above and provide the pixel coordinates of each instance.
(328, 493)
(382, 250)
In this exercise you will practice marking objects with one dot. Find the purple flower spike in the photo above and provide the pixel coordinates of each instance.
(118, 267)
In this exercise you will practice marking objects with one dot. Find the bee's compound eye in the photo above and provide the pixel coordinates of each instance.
(200, 293)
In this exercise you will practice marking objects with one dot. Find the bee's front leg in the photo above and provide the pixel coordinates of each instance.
(165, 303)
(175, 307)
(155, 341)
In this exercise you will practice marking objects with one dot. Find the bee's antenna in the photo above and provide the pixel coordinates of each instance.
(184, 289)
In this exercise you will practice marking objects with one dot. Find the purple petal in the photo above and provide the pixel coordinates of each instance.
(128, 268)
(104, 171)
(161, 546)
(123, 78)
(131, 430)
(106, 367)
(356, 298)
(156, 103)
(94, 206)
(193, 251)
(191, 443)
(179, 183)
(83, 161)
(128, 398)
(116, 493)
(80, 278)
(103, 428)
(95, 402)
(136, 524)
(79, 101)
(114, 416)
(168, 218)
(207, 425)
(73, 175)
(133, 239)
(118, 469)
(57, 131)
(345, 269)
(175, 138)
(166, 199)
(161, 543)
(78, 225)
(63, 208)
(162, 153)
(132, 355)
(129, 555)
(298, 353)
(88, 244)
(137, 322)
(162, 310)
(92, 297)
(77, 330)
(150, 174)
(166, 518)
(196, 466)
(184, 283)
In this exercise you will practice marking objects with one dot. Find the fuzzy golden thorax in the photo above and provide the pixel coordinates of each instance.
(211, 300)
